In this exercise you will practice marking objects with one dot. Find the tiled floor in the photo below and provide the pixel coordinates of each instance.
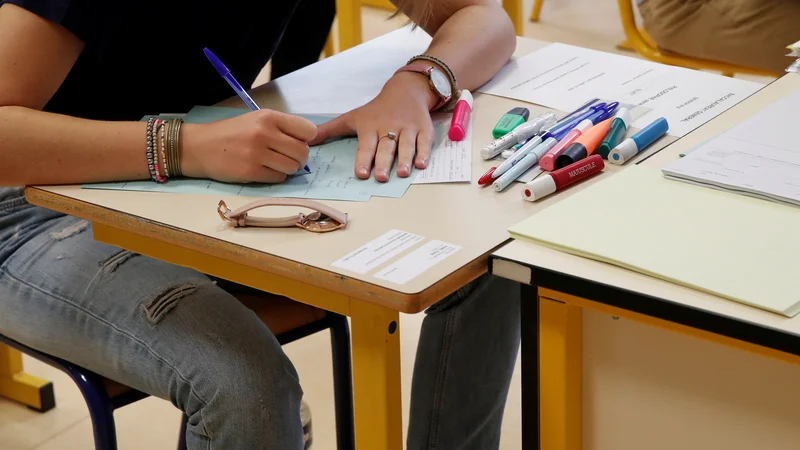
(153, 424)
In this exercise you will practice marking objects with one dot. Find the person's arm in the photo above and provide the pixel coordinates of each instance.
(473, 37)
(43, 148)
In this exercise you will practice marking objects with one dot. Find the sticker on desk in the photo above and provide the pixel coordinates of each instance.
(378, 251)
(418, 261)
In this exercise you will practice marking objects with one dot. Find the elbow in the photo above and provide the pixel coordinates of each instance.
(506, 36)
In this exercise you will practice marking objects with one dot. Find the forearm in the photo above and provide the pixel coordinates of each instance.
(43, 148)
(475, 42)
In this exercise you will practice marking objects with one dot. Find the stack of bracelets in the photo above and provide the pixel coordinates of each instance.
(162, 148)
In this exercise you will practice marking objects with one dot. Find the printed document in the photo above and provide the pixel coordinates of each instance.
(564, 77)
(759, 157)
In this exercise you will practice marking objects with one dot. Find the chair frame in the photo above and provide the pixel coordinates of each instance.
(102, 407)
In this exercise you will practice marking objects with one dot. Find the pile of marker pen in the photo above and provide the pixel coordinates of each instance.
(570, 150)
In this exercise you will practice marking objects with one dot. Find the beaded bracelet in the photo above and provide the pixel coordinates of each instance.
(162, 129)
(149, 149)
(159, 178)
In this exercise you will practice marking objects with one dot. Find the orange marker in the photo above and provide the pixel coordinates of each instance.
(585, 145)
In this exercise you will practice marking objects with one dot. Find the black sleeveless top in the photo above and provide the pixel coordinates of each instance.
(147, 57)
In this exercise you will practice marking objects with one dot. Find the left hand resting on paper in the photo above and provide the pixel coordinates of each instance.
(402, 107)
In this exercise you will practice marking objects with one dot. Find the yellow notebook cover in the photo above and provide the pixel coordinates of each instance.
(740, 248)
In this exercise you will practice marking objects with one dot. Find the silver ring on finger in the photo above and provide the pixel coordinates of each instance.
(391, 135)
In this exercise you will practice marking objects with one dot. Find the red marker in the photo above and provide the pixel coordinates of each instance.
(487, 178)
(552, 182)
(460, 122)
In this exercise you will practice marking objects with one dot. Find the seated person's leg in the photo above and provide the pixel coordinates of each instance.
(305, 37)
(465, 359)
(163, 329)
(750, 33)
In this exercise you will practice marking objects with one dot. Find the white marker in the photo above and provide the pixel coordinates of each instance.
(517, 156)
(518, 135)
(527, 161)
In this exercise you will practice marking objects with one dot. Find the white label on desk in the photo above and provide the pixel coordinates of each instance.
(378, 251)
(418, 261)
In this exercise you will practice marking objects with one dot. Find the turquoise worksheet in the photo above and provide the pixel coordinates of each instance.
(331, 176)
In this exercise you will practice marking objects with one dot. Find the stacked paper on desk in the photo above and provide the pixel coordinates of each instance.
(732, 246)
(563, 77)
(332, 169)
(758, 157)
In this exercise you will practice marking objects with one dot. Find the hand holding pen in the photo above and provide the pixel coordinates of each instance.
(263, 146)
(225, 73)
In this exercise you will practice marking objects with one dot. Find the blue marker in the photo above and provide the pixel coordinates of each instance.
(638, 142)
(225, 73)
(566, 126)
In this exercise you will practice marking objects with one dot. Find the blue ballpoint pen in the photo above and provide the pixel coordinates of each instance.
(225, 73)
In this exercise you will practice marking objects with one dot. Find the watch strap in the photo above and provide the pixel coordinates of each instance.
(445, 68)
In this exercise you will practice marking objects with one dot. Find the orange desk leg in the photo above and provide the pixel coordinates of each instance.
(376, 376)
(16, 385)
(560, 375)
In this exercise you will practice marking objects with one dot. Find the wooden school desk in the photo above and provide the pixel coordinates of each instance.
(186, 229)
(557, 287)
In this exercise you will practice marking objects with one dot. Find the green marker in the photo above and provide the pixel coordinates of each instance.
(616, 132)
(509, 121)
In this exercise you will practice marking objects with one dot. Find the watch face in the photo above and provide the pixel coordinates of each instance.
(441, 82)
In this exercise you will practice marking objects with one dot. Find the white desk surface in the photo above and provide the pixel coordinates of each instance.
(461, 213)
(516, 257)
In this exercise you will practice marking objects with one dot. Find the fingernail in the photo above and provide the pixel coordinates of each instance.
(408, 168)
(424, 162)
(382, 172)
(363, 171)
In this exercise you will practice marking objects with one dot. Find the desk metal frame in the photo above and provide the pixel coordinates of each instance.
(552, 304)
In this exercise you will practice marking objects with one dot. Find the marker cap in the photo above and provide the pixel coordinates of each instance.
(575, 152)
(539, 188)
(623, 152)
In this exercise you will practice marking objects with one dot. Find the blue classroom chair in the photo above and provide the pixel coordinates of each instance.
(103, 396)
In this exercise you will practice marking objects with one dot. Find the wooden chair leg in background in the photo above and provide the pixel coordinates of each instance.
(537, 10)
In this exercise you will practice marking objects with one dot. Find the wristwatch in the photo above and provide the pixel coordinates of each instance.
(439, 81)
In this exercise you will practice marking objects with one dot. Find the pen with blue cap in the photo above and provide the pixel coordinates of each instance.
(225, 73)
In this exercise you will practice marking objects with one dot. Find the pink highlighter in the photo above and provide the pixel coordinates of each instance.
(548, 161)
(458, 127)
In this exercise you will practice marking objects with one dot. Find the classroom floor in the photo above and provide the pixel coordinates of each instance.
(153, 423)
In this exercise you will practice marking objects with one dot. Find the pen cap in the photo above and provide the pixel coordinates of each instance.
(539, 188)
(650, 133)
(461, 114)
(616, 133)
(575, 152)
(509, 121)
(624, 151)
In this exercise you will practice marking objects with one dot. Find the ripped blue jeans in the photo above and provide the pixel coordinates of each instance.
(173, 333)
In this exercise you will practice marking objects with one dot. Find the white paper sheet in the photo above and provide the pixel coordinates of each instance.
(759, 157)
(418, 261)
(563, 77)
(451, 162)
(378, 251)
